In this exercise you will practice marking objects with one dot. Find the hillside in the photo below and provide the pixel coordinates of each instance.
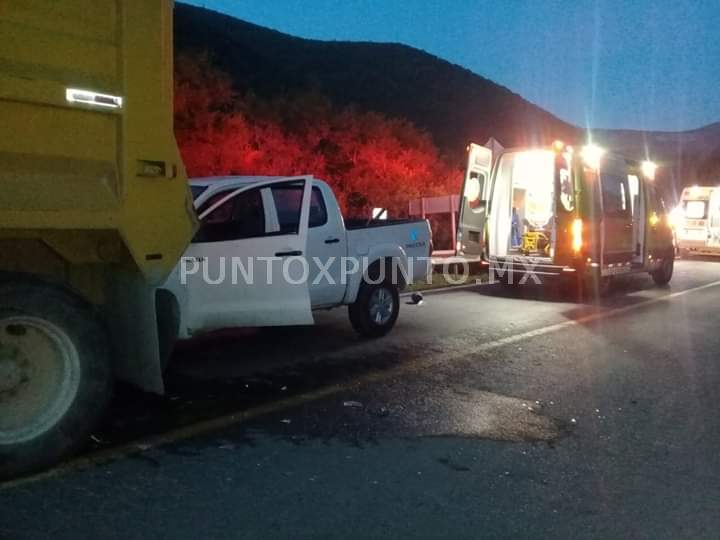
(688, 157)
(450, 102)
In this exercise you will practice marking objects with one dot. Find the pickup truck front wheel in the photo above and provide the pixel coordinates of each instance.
(55, 375)
(375, 310)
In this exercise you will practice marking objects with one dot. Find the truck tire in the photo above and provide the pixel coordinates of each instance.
(374, 312)
(663, 275)
(55, 375)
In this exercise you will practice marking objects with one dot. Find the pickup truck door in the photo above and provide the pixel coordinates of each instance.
(245, 265)
(326, 247)
(473, 204)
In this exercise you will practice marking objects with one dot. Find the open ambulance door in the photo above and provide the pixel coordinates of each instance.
(470, 241)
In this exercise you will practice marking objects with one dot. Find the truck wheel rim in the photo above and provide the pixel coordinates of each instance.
(39, 377)
(381, 306)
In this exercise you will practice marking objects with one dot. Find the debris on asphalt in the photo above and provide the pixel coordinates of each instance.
(416, 298)
(283, 388)
(573, 421)
(355, 404)
(380, 412)
(286, 421)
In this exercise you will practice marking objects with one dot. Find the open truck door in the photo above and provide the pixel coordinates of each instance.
(246, 264)
(474, 202)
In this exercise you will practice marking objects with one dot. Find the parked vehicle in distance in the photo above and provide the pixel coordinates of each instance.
(697, 221)
(544, 213)
(270, 250)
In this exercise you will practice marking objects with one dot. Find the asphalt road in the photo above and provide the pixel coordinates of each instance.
(486, 413)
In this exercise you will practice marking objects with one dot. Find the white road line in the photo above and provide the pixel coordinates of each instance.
(222, 422)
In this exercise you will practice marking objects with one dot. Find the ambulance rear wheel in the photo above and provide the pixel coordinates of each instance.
(663, 275)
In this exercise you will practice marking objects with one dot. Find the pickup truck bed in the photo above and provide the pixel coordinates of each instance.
(353, 224)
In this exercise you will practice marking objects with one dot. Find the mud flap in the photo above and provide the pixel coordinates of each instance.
(132, 326)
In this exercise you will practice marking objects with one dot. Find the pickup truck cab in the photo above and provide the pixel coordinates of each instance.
(270, 250)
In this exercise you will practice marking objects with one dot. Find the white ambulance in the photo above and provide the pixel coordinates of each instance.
(697, 221)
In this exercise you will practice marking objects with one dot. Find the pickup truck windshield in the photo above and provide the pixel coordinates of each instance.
(197, 191)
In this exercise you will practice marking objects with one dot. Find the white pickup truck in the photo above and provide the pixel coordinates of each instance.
(270, 250)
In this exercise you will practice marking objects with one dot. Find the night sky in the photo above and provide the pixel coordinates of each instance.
(642, 64)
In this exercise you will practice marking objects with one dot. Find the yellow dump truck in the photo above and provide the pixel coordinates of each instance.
(94, 212)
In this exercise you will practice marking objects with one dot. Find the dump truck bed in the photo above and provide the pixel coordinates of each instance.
(88, 160)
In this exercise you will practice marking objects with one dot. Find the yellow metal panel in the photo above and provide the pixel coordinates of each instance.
(60, 61)
(91, 19)
(81, 168)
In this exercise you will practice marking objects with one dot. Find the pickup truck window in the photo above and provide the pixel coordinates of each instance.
(318, 210)
(242, 216)
(288, 204)
(287, 201)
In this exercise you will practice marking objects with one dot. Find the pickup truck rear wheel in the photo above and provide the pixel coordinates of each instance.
(374, 312)
(55, 376)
